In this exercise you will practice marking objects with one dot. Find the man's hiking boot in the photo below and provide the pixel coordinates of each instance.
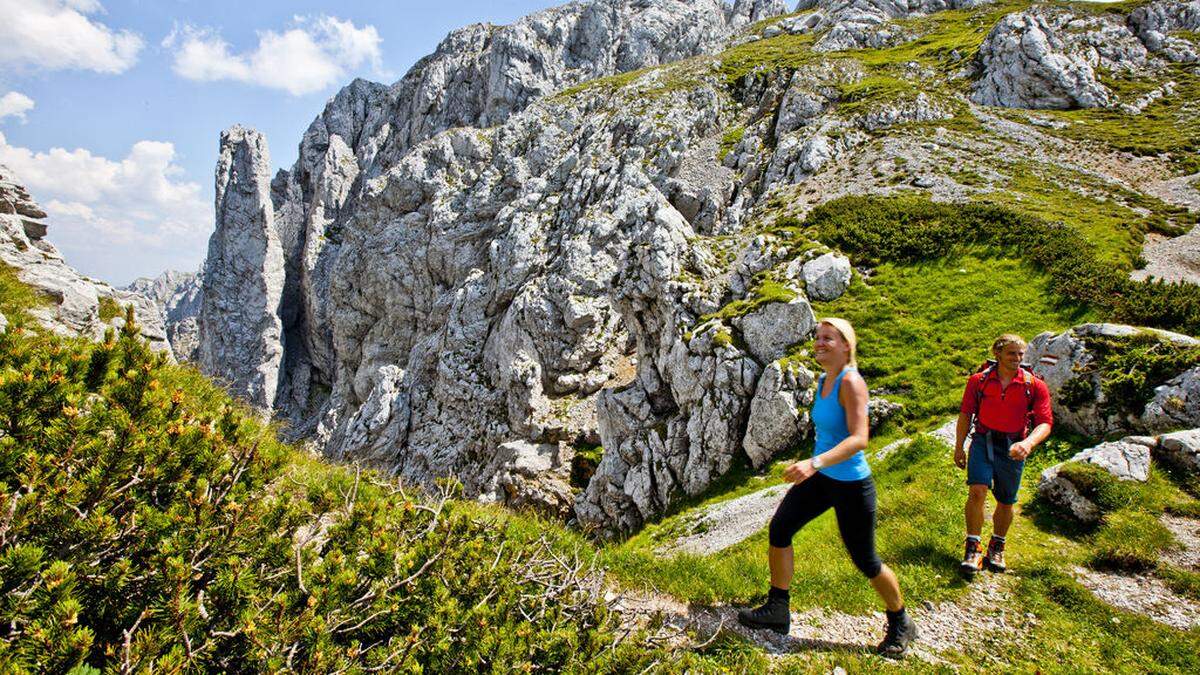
(901, 632)
(773, 614)
(972, 559)
(994, 560)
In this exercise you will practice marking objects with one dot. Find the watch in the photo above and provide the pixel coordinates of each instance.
(816, 462)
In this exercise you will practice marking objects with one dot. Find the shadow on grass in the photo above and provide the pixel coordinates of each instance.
(1049, 518)
(927, 553)
(1185, 481)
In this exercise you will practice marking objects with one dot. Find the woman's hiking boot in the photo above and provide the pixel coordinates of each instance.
(774, 614)
(994, 560)
(972, 561)
(901, 632)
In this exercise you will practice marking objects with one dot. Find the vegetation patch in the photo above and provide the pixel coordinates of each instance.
(583, 464)
(1129, 370)
(154, 524)
(729, 141)
(16, 298)
(766, 292)
(109, 309)
(779, 52)
(1169, 126)
(1131, 541)
(925, 325)
(909, 228)
(1103, 213)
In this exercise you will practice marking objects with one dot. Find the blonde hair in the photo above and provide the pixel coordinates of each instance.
(1006, 340)
(844, 329)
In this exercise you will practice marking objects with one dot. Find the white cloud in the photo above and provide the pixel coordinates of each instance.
(308, 57)
(116, 219)
(59, 34)
(15, 104)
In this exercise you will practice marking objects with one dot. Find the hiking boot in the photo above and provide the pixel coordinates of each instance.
(972, 559)
(773, 614)
(901, 632)
(994, 560)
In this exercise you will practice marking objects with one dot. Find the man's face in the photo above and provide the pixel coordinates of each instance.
(1011, 356)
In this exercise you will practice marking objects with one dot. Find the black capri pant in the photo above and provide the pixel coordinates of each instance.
(854, 504)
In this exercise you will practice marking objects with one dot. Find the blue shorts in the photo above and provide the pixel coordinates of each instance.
(994, 469)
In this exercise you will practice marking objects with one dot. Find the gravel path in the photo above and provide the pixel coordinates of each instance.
(985, 615)
(727, 523)
(1145, 595)
(1171, 259)
(1187, 533)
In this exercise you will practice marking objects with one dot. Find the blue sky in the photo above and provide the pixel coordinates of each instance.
(110, 110)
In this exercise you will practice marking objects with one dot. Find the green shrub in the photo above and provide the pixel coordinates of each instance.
(16, 298)
(149, 523)
(1130, 369)
(1183, 582)
(1130, 540)
(909, 228)
(109, 309)
(584, 463)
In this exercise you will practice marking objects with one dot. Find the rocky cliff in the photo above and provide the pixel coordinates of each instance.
(502, 258)
(68, 303)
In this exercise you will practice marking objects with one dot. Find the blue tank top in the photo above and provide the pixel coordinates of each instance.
(829, 421)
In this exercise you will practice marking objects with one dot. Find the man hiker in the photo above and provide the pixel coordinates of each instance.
(1010, 409)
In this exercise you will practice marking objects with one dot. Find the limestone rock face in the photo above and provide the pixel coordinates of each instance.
(1127, 460)
(1181, 449)
(1045, 58)
(535, 476)
(73, 303)
(778, 412)
(1155, 24)
(1066, 363)
(827, 277)
(773, 327)
(15, 200)
(1176, 404)
(477, 77)
(240, 329)
(861, 24)
(177, 297)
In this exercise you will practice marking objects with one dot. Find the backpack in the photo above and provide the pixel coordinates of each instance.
(1027, 375)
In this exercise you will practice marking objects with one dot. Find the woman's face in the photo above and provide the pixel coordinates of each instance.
(829, 347)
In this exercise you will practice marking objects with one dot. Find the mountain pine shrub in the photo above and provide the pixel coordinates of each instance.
(908, 228)
(147, 522)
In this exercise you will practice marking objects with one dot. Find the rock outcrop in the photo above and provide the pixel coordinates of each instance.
(1158, 26)
(1181, 450)
(1047, 57)
(72, 304)
(1073, 374)
(240, 329)
(860, 24)
(1124, 460)
(477, 77)
(177, 297)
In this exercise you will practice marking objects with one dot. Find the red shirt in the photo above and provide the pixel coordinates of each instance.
(1004, 409)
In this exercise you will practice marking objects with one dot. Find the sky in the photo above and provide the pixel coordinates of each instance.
(111, 110)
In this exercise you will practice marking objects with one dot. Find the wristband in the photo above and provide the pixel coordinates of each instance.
(817, 463)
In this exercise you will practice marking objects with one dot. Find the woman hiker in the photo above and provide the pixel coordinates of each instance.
(836, 476)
